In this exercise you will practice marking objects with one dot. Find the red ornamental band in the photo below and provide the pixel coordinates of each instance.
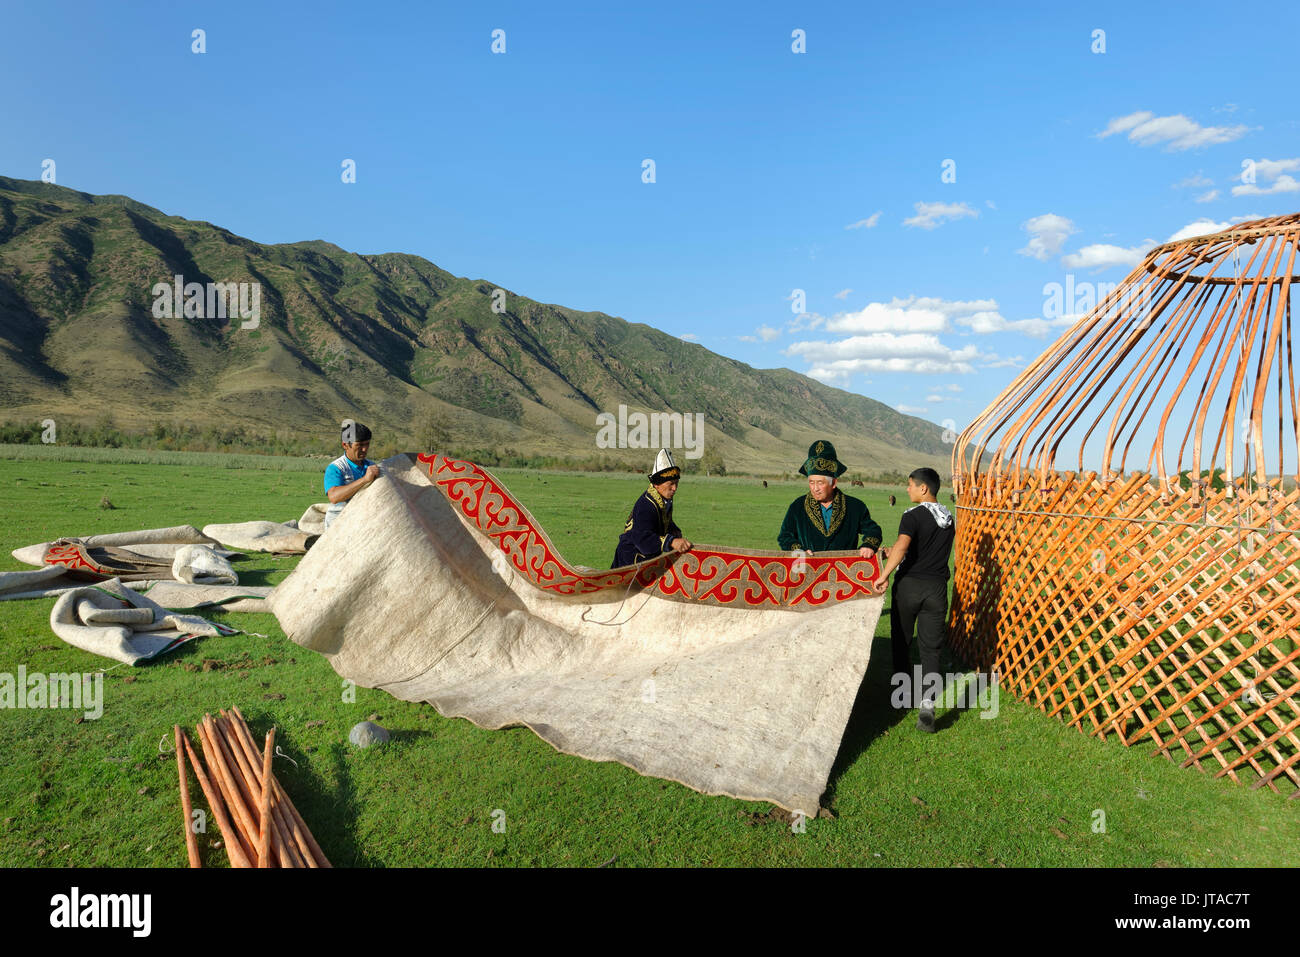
(743, 578)
(72, 555)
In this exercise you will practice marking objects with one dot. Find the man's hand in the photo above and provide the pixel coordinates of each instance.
(878, 585)
(372, 473)
(681, 545)
(865, 552)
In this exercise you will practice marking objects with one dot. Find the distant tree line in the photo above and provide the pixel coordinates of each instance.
(167, 436)
(430, 434)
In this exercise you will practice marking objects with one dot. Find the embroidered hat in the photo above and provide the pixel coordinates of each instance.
(665, 469)
(822, 460)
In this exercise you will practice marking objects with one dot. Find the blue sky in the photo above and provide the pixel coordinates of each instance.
(775, 171)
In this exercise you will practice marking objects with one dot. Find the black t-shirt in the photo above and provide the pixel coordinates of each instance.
(927, 555)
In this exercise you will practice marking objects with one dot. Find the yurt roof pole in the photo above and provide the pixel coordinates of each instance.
(1137, 374)
(1112, 338)
(1257, 407)
(1295, 406)
(1083, 391)
(1208, 388)
(1026, 425)
(1044, 366)
(1242, 338)
(1176, 335)
(1218, 313)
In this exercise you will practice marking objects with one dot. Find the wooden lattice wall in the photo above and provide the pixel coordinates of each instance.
(1152, 605)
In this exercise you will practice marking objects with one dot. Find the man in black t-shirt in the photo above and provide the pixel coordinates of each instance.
(920, 593)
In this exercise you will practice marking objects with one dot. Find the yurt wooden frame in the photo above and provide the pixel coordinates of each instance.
(1158, 604)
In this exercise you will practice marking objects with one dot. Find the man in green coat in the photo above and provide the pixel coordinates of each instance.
(827, 520)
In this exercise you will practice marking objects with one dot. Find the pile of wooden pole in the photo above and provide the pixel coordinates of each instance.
(258, 822)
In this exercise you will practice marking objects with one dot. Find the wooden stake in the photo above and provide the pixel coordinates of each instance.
(229, 789)
(249, 760)
(229, 835)
(290, 830)
(264, 847)
(191, 845)
(282, 795)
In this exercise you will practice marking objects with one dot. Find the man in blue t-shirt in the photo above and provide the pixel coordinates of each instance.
(920, 594)
(350, 472)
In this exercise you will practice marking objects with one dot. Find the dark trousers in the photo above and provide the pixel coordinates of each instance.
(923, 603)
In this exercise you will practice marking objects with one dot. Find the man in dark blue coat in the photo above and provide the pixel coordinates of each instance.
(650, 530)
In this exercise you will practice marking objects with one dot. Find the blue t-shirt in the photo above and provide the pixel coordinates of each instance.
(343, 471)
(826, 515)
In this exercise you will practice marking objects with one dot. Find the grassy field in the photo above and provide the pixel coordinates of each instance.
(1020, 789)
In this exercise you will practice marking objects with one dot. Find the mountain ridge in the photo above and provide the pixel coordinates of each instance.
(388, 338)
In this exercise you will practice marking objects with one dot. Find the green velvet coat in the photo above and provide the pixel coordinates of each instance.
(851, 525)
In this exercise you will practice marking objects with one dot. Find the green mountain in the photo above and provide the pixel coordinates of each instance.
(389, 339)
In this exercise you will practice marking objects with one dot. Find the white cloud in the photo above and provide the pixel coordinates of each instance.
(767, 333)
(913, 314)
(949, 307)
(1047, 234)
(911, 409)
(843, 293)
(1175, 132)
(885, 352)
(930, 215)
(1208, 197)
(902, 335)
(990, 204)
(1268, 169)
(1202, 227)
(1101, 256)
(934, 398)
(896, 316)
(867, 223)
(1196, 181)
(987, 322)
(1283, 184)
(927, 314)
(689, 337)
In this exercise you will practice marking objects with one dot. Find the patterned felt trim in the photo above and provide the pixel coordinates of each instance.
(732, 577)
(73, 555)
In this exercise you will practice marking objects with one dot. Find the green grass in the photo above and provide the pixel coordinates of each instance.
(1018, 790)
